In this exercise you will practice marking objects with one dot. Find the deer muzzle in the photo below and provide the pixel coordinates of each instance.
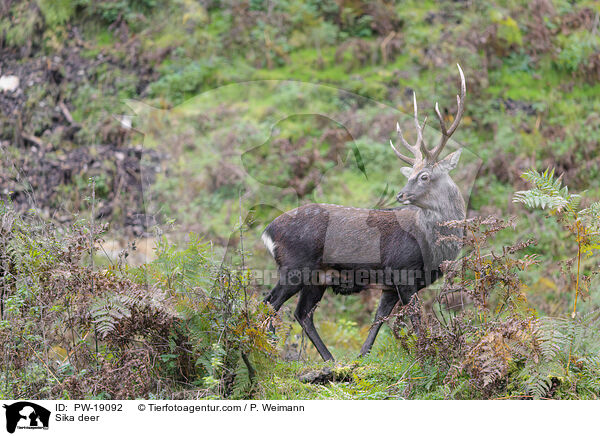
(405, 198)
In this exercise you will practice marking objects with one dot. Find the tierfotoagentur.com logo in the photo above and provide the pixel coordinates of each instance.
(26, 415)
(345, 278)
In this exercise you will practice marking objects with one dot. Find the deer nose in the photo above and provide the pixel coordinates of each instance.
(404, 198)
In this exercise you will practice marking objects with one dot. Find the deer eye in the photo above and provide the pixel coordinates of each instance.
(424, 177)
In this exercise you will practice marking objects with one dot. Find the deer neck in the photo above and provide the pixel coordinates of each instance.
(430, 224)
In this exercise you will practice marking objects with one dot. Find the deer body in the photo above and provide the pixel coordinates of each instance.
(317, 246)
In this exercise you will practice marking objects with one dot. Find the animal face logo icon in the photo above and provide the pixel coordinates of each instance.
(25, 414)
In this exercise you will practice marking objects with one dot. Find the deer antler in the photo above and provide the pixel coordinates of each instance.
(416, 149)
(447, 133)
(419, 150)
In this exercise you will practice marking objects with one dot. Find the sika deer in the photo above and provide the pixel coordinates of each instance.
(349, 249)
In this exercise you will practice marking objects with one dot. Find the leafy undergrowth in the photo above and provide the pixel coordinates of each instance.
(179, 327)
(390, 373)
(478, 339)
(185, 327)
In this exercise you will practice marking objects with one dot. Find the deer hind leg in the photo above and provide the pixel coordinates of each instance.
(307, 303)
(409, 296)
(386, 305)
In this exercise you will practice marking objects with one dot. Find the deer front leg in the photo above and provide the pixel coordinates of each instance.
(386, 305)
(307, 303)
(279, 295)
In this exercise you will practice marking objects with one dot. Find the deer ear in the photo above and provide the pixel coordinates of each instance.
(449, 162)
(406, 171)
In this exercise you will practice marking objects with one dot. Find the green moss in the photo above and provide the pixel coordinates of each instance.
(23, 28)
(57, 12)
(575, 49)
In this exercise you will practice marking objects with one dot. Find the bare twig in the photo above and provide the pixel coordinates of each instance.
(32, 138)
(65, 110)
(384, 43)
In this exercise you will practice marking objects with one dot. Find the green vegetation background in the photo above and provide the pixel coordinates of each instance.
(533, 73)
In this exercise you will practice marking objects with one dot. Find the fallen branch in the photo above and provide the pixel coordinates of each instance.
(384, 44)
(65, 110)
(32, 138)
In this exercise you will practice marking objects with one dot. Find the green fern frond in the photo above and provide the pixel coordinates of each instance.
(548, 193)
(538, 386)
(106, 312)
(555, 337)
(536, 199)
(242, 384)
(591, 215)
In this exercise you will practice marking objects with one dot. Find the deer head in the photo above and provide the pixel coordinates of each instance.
(429, 185)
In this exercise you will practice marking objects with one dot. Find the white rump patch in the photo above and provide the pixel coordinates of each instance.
(268, 243)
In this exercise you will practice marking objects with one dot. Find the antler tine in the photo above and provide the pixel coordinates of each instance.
(419, 149)
(413, 149)
(403, 158)
(447, 133)
(417, 125)
(404, 142)
(421, 143)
